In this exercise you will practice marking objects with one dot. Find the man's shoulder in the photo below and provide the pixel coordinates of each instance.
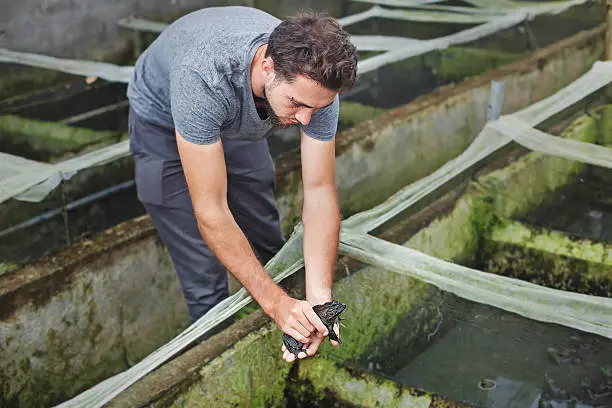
(223, 22)
(216, 41)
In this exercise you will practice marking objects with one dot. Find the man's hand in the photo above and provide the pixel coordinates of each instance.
(313, 343)
(297, 319)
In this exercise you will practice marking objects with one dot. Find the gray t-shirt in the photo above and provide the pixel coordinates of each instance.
(195, 78)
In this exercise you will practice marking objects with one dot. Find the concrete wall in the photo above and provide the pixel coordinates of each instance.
(65, 28)
(73, 305)
(71, 320)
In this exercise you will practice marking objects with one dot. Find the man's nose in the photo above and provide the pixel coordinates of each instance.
(303, 116)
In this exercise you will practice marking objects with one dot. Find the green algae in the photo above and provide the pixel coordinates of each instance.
(45, 141)
(500, 194)
(353, 113)
(555, 242)
(527, 182)
(321, 377)
(376, 305)
(457, 63)
(8, 267)
(252, 373)
(20, 80)
(550, 258)
(603, 117)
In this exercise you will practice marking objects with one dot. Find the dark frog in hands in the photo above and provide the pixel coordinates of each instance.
(329, 313)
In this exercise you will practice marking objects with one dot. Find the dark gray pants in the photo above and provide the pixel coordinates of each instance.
(162, 189)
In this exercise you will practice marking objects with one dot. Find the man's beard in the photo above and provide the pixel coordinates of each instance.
(275, 120)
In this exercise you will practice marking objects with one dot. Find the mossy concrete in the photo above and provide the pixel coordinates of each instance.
(256, 370)
(550, 258)
(604, 125)
(531, 179)
(47, 141)
(318, 379)
(66, 322)
(458, 63)
(353, 113)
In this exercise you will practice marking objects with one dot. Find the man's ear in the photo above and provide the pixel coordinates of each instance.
(267, 68)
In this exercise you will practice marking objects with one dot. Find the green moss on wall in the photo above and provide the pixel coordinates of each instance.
(376, 304)
(318, 378)
(352, 113)
(603, 116)
(252, 373)
(550, 258)
(504, 193)
(527, 182)
(45, 141)
(7, 267)
(456, 63)
(23, 79)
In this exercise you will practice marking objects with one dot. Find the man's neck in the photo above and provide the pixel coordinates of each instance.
(257, 80)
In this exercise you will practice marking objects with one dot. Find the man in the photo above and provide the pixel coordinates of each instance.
(203, 98)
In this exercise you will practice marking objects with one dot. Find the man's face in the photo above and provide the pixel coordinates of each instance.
(292, 103)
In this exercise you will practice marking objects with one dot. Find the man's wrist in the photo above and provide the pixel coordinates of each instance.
(318, 297)
(272, 298)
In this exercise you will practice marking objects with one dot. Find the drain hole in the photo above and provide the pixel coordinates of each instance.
(486, 384)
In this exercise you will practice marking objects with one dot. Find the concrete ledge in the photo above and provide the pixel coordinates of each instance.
(550, 258)
(319, 380)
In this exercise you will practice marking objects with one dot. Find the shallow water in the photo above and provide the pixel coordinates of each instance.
(490, 358)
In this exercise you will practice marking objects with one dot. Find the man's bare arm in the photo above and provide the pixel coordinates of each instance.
(321, 217)
(205, 171)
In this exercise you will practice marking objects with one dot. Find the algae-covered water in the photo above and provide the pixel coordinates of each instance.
(490, 358)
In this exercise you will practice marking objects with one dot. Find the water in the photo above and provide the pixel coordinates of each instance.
(494, 359)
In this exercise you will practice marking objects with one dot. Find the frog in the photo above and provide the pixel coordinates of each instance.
(329, 313)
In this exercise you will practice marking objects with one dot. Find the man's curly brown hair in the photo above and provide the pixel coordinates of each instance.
(313, 44)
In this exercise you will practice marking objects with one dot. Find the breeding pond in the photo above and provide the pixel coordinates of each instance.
(485, 357)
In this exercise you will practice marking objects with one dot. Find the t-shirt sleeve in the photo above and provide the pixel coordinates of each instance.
(324, 124)
(198, 111)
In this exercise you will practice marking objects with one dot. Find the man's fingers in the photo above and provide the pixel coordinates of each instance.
(316, 321)
(289, 357)
(300, 327)
(305, 316)
(297, 335)
(314, 345)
